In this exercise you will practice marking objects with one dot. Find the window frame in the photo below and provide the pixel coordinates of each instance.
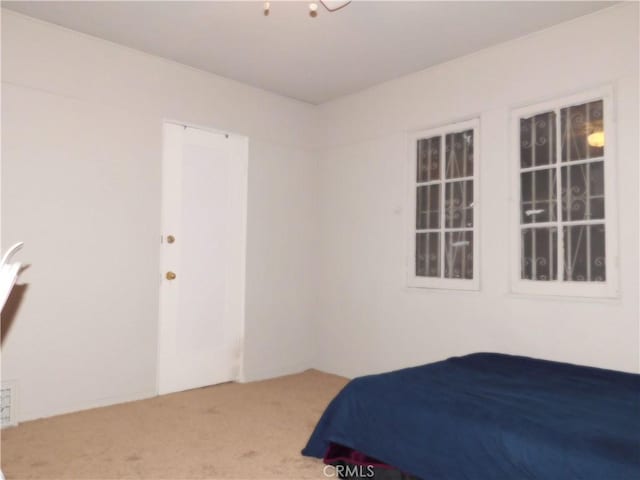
(441, 282)
(561, 287)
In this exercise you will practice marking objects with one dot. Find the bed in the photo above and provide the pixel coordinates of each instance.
(486, 416)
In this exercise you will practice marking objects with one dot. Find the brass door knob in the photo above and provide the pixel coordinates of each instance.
(171, 239)
(170, 275)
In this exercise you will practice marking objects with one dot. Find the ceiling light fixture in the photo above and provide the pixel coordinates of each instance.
(329, 5)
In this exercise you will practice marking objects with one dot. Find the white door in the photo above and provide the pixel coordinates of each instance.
(204, 190)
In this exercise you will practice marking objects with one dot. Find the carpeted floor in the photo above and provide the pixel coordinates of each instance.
(230, 431)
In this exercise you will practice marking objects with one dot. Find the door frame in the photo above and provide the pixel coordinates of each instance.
(240, 153)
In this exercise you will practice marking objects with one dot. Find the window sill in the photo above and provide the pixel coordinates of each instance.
(439, 291)
(564, 298)
(443, 284)
(602, 292)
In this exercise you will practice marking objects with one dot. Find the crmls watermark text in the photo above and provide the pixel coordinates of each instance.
(348, 471)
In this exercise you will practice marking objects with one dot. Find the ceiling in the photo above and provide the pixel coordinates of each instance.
(310, 59)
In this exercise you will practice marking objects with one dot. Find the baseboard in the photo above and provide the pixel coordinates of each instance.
(251, 376)
(266, 373)
(102, 402)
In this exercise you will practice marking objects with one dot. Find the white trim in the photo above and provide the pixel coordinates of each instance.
(45, 411)
(569, 223)
(568, 164)
(241, 154)
(559, 287)
(442, 180)
(414, 281)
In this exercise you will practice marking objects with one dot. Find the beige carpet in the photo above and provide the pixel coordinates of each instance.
(231, 431)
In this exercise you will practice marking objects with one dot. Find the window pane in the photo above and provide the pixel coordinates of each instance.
(428, 254)
(539, 251)
(459, 154)
(538, 140)
(538, 196)
(458, 255)
(428, 207)
(584, 253)
(428, 159)
(583, 191)
(458, 204)
(582, 131)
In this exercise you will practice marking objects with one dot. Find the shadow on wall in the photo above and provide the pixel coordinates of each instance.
(11, 308)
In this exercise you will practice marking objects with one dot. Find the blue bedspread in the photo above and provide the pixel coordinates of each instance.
(489, 416)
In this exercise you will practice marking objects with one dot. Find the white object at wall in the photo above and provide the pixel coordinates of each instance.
(8, 273)
(9, 404)
(8, 392)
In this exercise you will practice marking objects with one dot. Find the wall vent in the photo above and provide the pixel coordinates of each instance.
(8, 404)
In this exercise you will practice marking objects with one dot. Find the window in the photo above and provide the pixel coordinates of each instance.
(565, 239)
(444, 207)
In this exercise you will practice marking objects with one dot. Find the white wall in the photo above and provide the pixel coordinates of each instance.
(81, 130)
(281, 240)
(326, 266)
(369, 320)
